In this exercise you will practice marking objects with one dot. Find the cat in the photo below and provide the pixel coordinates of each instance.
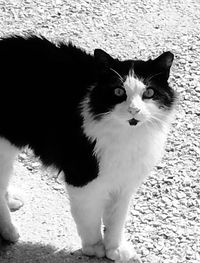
(100, 120)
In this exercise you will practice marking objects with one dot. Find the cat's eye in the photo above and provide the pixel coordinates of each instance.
(119, 92)
(148, 94)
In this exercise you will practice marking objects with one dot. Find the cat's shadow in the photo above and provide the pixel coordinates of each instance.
(39, 253)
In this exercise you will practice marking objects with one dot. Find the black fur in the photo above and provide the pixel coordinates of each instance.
(41, 87)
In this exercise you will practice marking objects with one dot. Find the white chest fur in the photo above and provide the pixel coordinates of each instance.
(125, 153)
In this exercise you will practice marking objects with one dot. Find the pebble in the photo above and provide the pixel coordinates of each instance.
(57, 187)
(190, 126)
(166, 200)
(22, 156)
(181, 195)
(36, 164)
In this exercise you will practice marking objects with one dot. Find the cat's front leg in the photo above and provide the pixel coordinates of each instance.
(114, 217)
(86, 209)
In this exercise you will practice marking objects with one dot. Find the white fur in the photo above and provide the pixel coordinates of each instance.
(126, 154)
(7, 155)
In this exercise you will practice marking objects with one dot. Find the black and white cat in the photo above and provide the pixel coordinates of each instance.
(101, 121)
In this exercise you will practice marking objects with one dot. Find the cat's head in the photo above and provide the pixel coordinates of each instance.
(132, 91)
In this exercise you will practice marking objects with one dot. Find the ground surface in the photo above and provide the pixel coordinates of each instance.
(164, 221)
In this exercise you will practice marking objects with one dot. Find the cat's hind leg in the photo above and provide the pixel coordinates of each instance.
(87, 208)
(14, 201)
(7, 156)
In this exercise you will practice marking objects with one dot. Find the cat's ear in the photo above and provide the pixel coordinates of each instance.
(162, 64)
(102, 58)
(164, 61)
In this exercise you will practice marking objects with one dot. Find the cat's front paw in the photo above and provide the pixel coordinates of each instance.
(97, 250)
(10, 233)
(123, 254)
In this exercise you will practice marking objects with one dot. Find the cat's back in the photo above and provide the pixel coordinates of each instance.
(41, 77)
(32, 58)
(21, 51)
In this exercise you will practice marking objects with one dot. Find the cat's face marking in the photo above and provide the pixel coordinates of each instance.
(136, 110)
(132, 92)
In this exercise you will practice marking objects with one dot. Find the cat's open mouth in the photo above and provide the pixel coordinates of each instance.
(133, 121)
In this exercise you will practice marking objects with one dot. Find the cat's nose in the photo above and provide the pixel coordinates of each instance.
(133, 110)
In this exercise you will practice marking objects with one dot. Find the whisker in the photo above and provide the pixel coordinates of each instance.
(149, 124)
(100, 115)
(148, 79)
(120, 77)
(158, 121)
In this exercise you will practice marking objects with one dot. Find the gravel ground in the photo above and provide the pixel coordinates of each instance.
(164, 220)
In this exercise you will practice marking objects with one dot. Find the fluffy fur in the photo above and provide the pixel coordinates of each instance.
(101, 121)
